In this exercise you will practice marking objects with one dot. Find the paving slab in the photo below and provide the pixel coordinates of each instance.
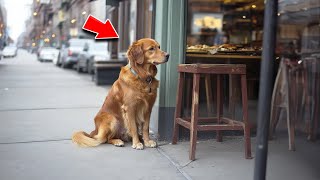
(215, 160)
(63, 160)
(41, 125)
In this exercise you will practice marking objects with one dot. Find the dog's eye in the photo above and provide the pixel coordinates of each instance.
(152, 49)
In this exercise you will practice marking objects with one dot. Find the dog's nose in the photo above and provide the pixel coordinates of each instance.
(167, 56)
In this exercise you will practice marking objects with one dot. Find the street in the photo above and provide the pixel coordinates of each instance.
(41, 105)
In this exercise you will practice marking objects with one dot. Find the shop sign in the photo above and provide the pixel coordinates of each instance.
(44, 1)
(61, 16)
(73, 32)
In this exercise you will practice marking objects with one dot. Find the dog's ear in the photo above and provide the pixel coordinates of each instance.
(135, 53)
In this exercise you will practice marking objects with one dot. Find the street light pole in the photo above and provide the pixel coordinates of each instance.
(266, 86)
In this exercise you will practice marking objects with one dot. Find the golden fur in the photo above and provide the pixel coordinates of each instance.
(127, 108)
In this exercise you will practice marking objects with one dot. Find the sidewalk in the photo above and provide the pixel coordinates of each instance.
(42, 105)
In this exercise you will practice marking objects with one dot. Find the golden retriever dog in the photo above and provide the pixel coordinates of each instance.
(125, 113)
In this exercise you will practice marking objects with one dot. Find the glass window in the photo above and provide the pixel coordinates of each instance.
(214, 23)
(297, 82)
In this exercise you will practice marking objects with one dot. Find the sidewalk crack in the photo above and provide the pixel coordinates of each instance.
(176, 165)
(38, 141)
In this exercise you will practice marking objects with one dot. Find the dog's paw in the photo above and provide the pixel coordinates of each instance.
(150, 143)
(138, 146)
(118, 143)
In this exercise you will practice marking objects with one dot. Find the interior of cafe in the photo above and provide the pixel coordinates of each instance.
(231, 32)
(226, 32)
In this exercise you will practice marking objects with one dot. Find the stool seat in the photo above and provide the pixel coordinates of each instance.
(218, 123)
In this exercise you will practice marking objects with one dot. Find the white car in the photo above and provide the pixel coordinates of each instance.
(69, 53)
(93, 52)
(9, 51)
(48, 54)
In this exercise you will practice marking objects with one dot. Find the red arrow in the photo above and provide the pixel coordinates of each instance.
(103, 30)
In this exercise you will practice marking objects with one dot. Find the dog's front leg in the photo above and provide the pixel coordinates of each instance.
(145, 132)
(133, 130)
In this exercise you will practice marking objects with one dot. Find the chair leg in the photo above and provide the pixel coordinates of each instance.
(315, 116)
(178, 108)
(275, 114)
(290, 120)
(219, 106)
(194, 116)
(275, 110)
(307, 101)
(315, 121)
(291, 132)
(247, 138)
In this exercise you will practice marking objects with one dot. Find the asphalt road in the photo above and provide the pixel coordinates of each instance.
(41, 105)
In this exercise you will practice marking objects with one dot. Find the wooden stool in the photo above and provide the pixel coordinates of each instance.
(218, 123)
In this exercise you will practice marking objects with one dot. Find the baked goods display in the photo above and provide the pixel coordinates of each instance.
(224, 49)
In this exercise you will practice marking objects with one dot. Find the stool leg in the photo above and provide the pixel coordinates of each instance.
(219, 106)
(194, 116)
(187, 97)
(178, 108)
(247, 138)
(209, 94)
(232, 96)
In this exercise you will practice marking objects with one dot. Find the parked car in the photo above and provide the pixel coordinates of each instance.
(92, 52)
(9, 51)
(69, 54)
(48, 54)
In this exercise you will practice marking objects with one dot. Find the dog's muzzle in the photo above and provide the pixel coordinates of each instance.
(167, 57)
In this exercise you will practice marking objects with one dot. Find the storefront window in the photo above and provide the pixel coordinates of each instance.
(231, 31)
(132, 28)
(227, 32)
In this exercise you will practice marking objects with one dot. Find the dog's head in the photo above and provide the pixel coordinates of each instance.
(147, 51)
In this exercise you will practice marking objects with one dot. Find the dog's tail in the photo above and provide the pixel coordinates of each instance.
(84, 140)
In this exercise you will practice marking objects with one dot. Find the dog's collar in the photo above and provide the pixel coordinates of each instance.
(132, 70)
(148, 80)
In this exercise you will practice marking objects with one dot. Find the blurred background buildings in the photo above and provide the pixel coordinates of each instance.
(55, 21)
(4, 37)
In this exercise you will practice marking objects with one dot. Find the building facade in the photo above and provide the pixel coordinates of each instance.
(4, 37)
(53, 22)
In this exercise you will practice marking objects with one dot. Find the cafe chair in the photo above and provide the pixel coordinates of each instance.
(291, 78)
